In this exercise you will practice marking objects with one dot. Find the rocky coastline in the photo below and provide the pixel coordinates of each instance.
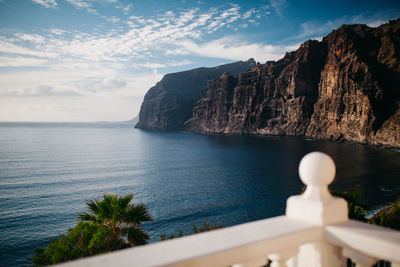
(344, 88)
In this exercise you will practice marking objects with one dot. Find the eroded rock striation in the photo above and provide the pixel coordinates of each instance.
(346, 87)
(168, 104)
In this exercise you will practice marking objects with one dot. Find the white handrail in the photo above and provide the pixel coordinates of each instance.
(372, 240)
(222, 247)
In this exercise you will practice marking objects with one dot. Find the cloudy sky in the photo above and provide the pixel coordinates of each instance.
(87, 60)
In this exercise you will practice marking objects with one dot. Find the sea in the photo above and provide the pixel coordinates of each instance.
(49, 170)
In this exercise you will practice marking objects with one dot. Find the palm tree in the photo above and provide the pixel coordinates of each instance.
(122, 218)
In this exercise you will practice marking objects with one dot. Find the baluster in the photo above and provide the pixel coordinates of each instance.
(395, 264)
(361, 260)
(280, 259)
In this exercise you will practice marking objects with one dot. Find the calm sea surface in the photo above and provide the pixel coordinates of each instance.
(48, 171)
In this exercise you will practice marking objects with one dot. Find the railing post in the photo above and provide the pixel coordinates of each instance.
(317, 170)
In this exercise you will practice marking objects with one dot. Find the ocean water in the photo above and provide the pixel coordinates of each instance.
(49, 170)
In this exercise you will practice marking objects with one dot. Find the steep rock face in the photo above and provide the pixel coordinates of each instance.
(346, 87)
(359, 90)
(170, 102)
(276, 98)
(212, 111)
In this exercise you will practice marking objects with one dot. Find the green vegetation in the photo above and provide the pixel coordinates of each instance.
(85, 239)
(388, 217)
(357, 210)
(203, 228)
(110, 224)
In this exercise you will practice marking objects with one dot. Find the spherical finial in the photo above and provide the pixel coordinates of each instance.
(317, 169)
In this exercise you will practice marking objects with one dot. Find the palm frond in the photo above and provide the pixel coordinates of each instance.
(87, 217)
(92, 206)
(105, 208)
(136, 214)
(136, 236)
(123, 201)
(118, 215)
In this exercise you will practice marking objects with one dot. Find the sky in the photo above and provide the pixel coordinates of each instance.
(94, 60)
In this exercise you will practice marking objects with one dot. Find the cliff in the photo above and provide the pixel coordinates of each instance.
(276, 98)
(346, 87)
(168, 104)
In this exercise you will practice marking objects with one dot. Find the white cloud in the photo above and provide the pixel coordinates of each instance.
(117, 64)
(78, 79)
(79, 3)
(53, 108)
(137, 18)
(112, 83)
(158, 33)
(46, 3)
(34, 38)
(376, 23)
(10, 48)
(176, 51)
(236, 49)
(108, 84)
(39, 91)
(20, 61)
(83, 4)
(312, 29)
(96, 75)
(163, 65)
(126, 8)
(315, 29)
(57, 31)
(63, 77)
(163, 33)
(113, 19)
(278, 6)
(248, 14)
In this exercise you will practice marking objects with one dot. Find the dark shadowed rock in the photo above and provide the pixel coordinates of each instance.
(170, 102)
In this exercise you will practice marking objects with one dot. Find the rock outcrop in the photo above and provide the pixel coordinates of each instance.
(346, 87)
(168, 104)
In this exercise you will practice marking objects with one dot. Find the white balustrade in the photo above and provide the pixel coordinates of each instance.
(315, 232)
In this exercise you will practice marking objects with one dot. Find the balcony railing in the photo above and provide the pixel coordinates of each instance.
(315, 231)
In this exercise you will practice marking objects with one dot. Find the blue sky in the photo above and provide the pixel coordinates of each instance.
(87, 60)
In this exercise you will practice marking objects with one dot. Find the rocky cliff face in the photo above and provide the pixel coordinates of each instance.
(346, 87)
(170, 102)
(359, 90)
(276, 98)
